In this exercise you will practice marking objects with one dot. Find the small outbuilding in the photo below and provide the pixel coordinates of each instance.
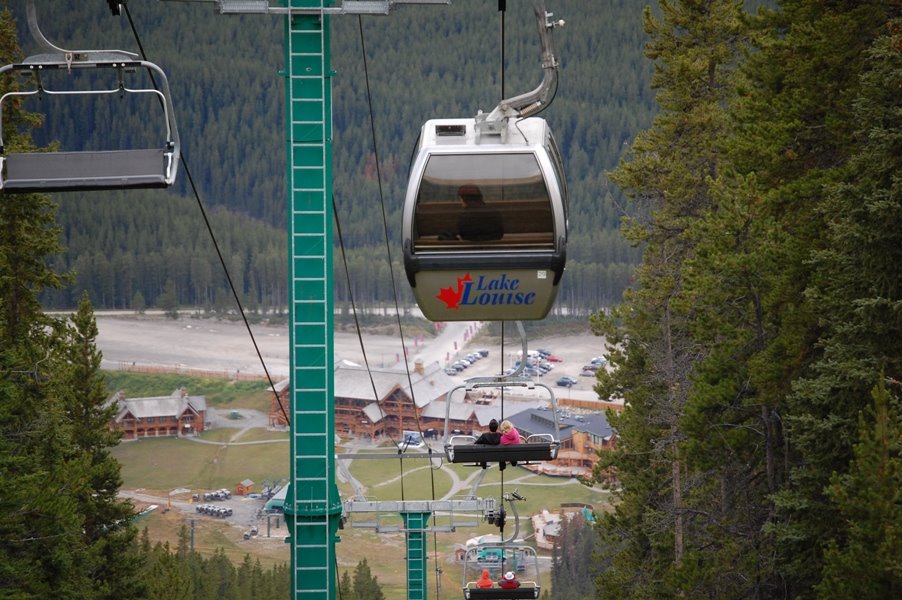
(244, 488)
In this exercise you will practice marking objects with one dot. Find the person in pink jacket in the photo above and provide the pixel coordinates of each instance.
(509, 433)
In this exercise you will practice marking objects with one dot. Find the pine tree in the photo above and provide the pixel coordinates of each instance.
(867, 563)
(345, 587)
(366, 586)
(572, 569)
(62, 531)
(41, 553)
(107, 532)
(669, 175)
(811, 271)
(855, 284)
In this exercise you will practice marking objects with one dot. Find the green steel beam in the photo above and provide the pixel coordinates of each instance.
(416, 524)
(312, 505)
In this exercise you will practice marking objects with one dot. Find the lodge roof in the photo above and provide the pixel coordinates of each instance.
(355, 382)
(541, 420)
(174, 405)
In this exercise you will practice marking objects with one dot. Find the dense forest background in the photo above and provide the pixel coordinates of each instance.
(146, 248)
(759, 454)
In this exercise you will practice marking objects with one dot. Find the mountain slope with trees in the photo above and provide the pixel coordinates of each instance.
(421, 62)
(760, 353)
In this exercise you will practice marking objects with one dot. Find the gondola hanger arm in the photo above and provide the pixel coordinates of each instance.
(69, 56)
(531, 102)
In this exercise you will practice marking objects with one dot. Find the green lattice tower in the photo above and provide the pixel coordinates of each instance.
(416, 524)
(312, 505)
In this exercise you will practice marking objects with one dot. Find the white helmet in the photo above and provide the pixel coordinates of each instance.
(509, 576)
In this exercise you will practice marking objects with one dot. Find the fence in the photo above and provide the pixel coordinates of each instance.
(233, 375)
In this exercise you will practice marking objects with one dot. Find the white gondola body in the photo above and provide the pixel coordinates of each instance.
(512, 274)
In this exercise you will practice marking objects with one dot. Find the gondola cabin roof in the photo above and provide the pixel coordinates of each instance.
(485, 220)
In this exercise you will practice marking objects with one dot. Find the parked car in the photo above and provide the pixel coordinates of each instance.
(590, 367)
(566, 381)
(553, 358)
(451, 371)
(587, 373)
(599, 361)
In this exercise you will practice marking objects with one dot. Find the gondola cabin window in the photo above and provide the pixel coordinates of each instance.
(511, 190)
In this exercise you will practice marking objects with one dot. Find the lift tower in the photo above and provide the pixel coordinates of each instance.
(313, 508)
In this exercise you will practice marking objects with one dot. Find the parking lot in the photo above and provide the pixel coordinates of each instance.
(570, 355)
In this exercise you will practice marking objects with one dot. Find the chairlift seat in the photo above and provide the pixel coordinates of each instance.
(519, 453)
(116, 168)
(501, 594)
(89, 170)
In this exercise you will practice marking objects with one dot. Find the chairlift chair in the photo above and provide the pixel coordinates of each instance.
(91, 169)
(462, 449)
(529, 578)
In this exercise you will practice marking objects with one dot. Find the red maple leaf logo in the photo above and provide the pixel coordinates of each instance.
(452, 297)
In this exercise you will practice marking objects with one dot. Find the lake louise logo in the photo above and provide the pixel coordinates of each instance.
(498, 291)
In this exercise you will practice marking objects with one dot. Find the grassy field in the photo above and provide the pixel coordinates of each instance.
(163, 464)
(220, 393)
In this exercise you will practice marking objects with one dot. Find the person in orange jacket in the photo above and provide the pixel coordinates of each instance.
(485, 581)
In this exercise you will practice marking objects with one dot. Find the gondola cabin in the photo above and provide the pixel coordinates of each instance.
(485, 221)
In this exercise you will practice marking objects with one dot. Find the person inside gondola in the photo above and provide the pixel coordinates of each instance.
(509, 581)
(485, 581)
(478, 222)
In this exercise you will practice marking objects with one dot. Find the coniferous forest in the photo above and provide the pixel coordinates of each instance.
(760, 352)
(751, 162)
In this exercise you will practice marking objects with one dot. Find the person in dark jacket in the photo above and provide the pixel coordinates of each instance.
(492, 437)
(478, 222)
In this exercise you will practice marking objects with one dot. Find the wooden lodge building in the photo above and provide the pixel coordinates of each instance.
(583, 436)
(173, 415)
(359, 414)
